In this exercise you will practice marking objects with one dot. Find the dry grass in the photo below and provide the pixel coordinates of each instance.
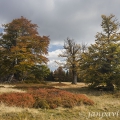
(8, 88)
(104, 102)
(67, 85)
(7, 109)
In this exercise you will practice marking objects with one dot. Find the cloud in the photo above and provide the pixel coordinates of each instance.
(77, 19)
(60, 19)
(53, 57)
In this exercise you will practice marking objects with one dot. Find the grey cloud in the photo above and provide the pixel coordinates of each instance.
(77, 19)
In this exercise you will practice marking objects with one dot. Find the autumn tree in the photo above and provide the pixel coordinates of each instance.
(101, 64)
(21, 47)
(72, 53)
(59, 74)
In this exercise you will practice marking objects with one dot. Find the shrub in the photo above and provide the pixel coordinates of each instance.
(45, 98)
(17, 99)
(41, 103)
(55, 97)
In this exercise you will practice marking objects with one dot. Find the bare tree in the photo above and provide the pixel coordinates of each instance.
(72, 54)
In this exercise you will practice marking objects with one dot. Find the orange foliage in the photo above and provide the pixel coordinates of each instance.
(25, 44)
(17, 99)
(57, 97)
(45, 98)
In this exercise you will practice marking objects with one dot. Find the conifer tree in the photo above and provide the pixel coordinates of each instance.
(101, 63)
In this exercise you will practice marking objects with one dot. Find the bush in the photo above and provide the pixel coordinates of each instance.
(45, 98)
(41, 103)
(55, 97)
(17, 99)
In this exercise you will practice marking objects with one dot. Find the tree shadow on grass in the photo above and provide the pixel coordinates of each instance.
(87, 91)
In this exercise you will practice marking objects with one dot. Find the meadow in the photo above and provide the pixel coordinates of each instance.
(106, 104)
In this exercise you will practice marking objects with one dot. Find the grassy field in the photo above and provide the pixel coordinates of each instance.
(106, 107)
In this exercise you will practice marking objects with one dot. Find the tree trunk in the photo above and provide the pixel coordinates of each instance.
(74, 78)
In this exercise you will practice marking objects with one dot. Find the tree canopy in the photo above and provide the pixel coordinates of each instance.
(21, 47)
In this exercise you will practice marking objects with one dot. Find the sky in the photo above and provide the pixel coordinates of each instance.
(77, 19)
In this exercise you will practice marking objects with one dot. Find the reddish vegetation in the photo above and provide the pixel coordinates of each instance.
(45, 98)
(17, 99)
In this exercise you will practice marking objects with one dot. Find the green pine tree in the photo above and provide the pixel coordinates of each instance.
(101, 63)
